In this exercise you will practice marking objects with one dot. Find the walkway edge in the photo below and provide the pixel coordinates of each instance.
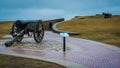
(58, 31)
(60, 62)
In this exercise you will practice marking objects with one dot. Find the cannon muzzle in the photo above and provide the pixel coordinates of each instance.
(8, 43)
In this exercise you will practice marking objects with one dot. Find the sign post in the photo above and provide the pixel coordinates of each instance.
(64, 35)
(64, 44)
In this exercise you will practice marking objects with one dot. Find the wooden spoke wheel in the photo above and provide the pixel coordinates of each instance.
(15, 32)
(39, 33)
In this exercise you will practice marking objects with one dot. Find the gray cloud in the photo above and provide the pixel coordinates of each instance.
(48, 9)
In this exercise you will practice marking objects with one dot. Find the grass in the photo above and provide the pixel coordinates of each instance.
(7, 61)
(5, 27)
(95, 28)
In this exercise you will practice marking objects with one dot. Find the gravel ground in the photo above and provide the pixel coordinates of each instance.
(51, 42)
(45, 45)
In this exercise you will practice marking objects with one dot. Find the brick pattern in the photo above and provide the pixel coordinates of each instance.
(93, 55)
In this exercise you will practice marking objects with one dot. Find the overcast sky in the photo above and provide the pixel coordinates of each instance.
(51, 9)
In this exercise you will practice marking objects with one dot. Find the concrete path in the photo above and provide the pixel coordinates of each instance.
(92, 54)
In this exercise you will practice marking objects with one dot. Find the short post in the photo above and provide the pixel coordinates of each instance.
(64, 35)
(64, 44)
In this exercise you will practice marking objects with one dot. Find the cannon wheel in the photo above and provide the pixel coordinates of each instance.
(15, 31)
(39, 33)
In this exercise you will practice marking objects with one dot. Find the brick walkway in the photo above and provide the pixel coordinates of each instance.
(93, 54)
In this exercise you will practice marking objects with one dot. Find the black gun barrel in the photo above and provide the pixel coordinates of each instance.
(9, 43)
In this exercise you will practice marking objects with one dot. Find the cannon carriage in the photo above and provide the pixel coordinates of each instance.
(21, 27)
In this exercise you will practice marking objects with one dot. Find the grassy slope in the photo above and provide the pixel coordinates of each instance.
(19, 62)
(95, 28)
(5, 27)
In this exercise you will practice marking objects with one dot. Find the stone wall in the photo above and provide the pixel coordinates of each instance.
(48, 23)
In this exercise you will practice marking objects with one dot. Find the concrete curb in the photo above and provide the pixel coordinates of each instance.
(58, 31)
(63, 63)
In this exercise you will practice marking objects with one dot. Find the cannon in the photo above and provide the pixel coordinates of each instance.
(107, 15)
(21, 27)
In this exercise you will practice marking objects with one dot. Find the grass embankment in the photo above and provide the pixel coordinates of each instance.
(5, 28)
(95, 28)
(19, 62)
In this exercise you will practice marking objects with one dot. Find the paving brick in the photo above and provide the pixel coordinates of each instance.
(92, 56)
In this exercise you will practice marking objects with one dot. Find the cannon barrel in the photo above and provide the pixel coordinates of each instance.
(9, 43)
